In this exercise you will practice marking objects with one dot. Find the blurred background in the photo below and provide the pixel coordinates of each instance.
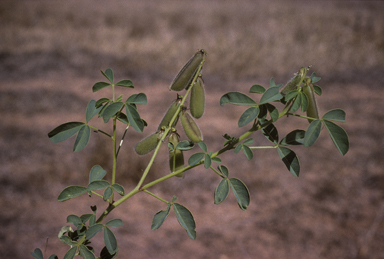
(51, 54)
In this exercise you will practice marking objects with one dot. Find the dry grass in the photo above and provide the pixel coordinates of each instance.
(50, 55)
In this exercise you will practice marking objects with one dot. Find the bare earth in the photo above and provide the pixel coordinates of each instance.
(335, 209)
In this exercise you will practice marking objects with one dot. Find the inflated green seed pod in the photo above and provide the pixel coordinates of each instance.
(176, 157)
(197, 101)
(190, 127)
(170, 113)
(148, 144)
(294, 82)
(186, 74)
(312, 110)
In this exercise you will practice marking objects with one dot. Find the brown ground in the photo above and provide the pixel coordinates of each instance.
(51, 54)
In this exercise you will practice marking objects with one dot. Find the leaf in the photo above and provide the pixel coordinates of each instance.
(67, 240)
(248, 152)
(216, 159)
(304, 102)
(248, 115)
(335, 115)
(64, 131)
(82, 138)
(110, 241)
(119, 98)
(338, 135)
(107, 193)
(100, 85)
(108, 74)
(139, 98)
(248, 141)
(125, 83)
(114, 223)
(97, 185)
(92, 231)
(53, 256)
(160, 217)
(236, 98)
(273, 84)
(290, 160)
(134, 118)
(185, 145)
(296, 103)
(71, 253)
(318, 90)
(84, 218)
(273, 111)
(270, 132)
(238, 148)
(97, 173)
(258, 89)
(38, 254)
(203, 146)
(104, 254)
(195, 158)
(71, 192)
(222, 191)
(111, 110)
(118, 188)
(207, 161)
(186, 220)
(123, 118)
(91, 110)
(85, 253)
(100, 102)
(75, 220)
(272, 94)
(312, 133)
(291, 95)
(295, 137)
(241, 192)
(223, 169)
(315, 78)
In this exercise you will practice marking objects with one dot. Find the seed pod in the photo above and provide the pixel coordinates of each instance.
(176, 157)
(312, 110)
(148, 144)
(293, 83)
(170, 113)
(186, 74)
(190, 127)
(197, 101)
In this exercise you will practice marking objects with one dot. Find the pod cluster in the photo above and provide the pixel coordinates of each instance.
(294, 82)
(309, 91)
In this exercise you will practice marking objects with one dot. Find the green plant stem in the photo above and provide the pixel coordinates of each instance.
(95, 193)
(154, 195)
(262, 147)
(121, 141)
(98, 130)
(217, 172)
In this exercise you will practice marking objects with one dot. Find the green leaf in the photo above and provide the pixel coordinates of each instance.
(84, 218)
(85, 253)
(100, 85)
(67, 240)
(273, 111)
(248, 141)
(216, 159)
(270, 132)
(338, 135)
(64, 230)
(195, 158)
(273, 84)
(119, 98)
(236, 98)
(114, 223)
(108, 74)
(186, 220)
(223, 169)
(238, 148)
(118, 188)
(304, 102)
(290, 160)
(248, 152)
(100, 102)
(107, 193)
(295, 137)
(53, 256)
(104, 254)
(185, 145)
(123, 118)
(272, 94)
(315, 78)
(75, 220)
(111, 110)
(64, 131)
(312, 133)
(335, 115)
(82, 138)
(139, 98)
(241, 192)
(318, 90)
(291, 95)
(97, 185)
(258, 89)
(160, 217)
(110, 241)
(134, 118)
(296, 103)
(71, 253)
(125, 83)
(203, 146)
(248, 115)
(91, 110)
(71, 192)
(92, 231)
(207, 161)
(38, 254)
(97, 173)
(222, 191)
